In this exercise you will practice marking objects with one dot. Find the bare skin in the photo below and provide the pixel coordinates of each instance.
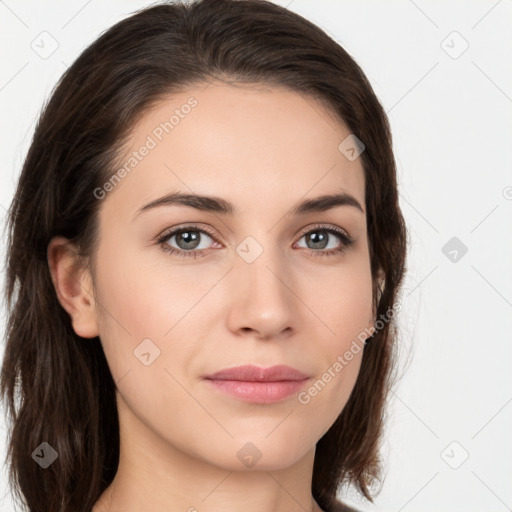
(264, 150)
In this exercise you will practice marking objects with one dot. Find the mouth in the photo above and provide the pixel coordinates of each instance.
(258, 385)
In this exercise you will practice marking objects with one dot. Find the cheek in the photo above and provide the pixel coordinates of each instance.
(327, 396)
(149, 308)
(341, 323)
(340, 301)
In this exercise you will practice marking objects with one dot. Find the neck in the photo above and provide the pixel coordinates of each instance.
(154, 475)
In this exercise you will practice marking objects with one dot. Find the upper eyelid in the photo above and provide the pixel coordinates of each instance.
(167, 233)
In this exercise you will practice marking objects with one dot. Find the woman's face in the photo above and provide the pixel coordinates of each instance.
(259, 285)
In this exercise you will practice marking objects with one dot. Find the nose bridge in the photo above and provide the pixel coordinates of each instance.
(261, 265)
(262, 300)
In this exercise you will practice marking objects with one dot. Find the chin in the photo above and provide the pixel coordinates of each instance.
(250, 453)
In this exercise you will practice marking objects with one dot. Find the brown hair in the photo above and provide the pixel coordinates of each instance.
(57, 385)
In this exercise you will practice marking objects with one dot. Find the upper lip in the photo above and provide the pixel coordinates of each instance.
(251, 373)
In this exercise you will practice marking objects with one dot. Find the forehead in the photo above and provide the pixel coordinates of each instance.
(250, 143)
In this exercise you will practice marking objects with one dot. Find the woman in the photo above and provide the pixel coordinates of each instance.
(204, 258)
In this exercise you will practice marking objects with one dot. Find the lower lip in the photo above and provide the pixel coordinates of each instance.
(259, 392)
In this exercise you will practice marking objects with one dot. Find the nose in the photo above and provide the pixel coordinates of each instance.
(261, 298)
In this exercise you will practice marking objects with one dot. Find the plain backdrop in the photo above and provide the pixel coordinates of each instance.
(442, 71)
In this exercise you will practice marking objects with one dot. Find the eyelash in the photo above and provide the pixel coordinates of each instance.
(346, 241)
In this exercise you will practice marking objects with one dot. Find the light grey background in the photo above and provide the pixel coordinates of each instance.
(450, 111)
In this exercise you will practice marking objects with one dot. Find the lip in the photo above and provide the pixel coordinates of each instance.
(258, 385)
(251, 373)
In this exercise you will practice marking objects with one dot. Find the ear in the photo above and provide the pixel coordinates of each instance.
(74, 287)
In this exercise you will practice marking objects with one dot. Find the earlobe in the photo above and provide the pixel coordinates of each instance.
(73, 286)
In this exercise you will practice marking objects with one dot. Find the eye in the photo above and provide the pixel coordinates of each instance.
(320, 237)
(188, 240)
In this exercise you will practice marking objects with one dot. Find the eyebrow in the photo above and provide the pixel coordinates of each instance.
(221, 206)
